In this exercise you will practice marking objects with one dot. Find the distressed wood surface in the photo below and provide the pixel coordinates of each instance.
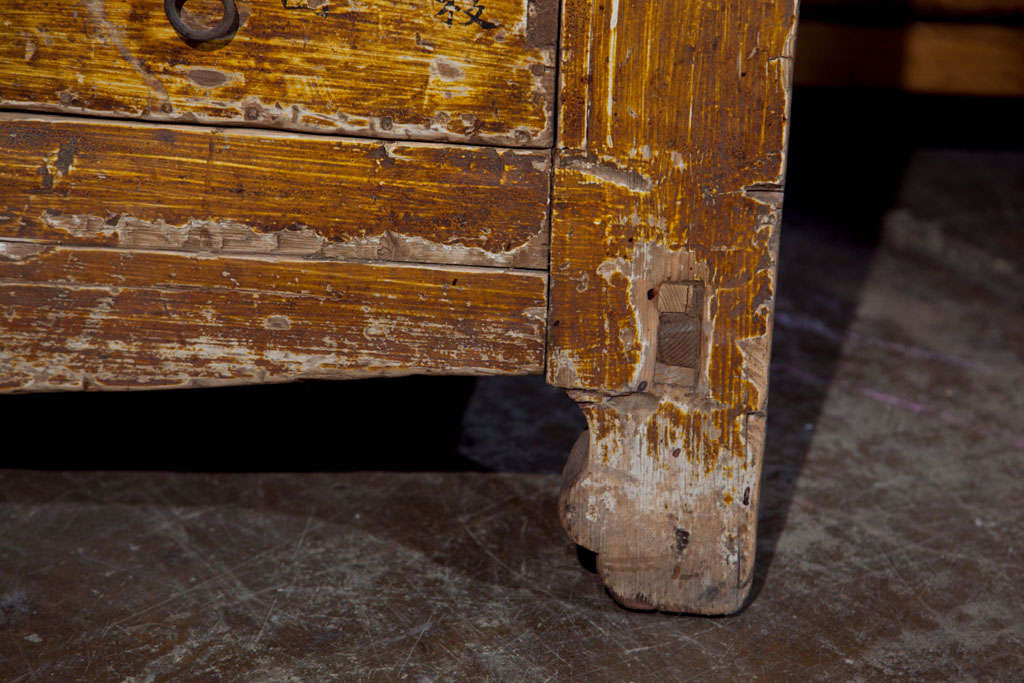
(669, 170)
(123, 184)
(87, 318)
(374, 67)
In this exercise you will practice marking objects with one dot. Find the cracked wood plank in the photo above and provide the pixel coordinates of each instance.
(669, 170)
(374, 68)
(142, 186)
(88, 318)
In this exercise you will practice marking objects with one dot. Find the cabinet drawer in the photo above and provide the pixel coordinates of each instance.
(186, 188)
(86, 318)
(452, 70)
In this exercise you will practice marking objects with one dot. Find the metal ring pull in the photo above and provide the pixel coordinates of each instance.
(226, 25)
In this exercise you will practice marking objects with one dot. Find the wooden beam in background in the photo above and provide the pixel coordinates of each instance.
(920, 57)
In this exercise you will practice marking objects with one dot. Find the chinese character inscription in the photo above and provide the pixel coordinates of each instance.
(463, 12)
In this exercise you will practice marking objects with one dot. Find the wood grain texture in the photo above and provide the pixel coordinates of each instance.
(85, 318)
(375, 67)
(920, 57)
(122, 184)
(669, 169)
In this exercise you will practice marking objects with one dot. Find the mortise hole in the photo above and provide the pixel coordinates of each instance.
(679, 339)
(679, 314)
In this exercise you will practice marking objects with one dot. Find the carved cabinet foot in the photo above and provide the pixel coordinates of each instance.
(671, 530)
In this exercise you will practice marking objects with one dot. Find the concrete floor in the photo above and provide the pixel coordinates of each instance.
(892, 496)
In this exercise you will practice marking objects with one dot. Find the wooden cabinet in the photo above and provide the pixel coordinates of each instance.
(418, 209)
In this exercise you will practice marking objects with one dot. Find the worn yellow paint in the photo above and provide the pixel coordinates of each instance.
(669, 169)
(188, 188)
(89, 318)
(375, 67)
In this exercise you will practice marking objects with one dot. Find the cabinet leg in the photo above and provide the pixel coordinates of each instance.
(671, 530)
(666, 198)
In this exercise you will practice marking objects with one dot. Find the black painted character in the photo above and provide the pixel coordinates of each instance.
(474, 13)
(448, 10)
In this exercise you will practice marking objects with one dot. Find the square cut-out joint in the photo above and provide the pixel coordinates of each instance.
(679, 324)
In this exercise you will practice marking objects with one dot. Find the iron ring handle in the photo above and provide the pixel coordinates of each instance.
(173, 10)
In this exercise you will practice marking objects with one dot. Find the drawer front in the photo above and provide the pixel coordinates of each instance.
(453, 70)
(186, 188)
(87, 318)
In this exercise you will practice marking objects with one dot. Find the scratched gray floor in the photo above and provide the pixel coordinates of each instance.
(892, 502)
